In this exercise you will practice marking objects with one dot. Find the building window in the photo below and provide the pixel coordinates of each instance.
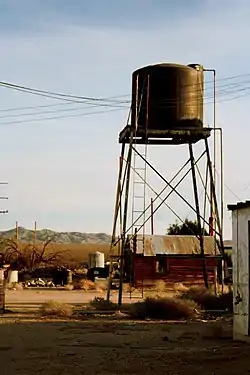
(161, 265)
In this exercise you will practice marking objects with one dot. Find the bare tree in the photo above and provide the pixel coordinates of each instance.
(29, 256)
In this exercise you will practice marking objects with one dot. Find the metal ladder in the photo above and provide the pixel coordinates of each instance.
(139, 193)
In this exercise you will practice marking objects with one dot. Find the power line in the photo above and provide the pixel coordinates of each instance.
(96, 103)
(101, 105)
(62, 117)
(109, 101)
(84, 113)
(68, 97)
(55, 95)
(60, 110)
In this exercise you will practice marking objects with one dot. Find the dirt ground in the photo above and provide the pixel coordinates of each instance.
(99, 345)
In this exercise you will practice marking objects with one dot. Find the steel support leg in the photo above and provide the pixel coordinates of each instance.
(196, 198)
(125, 214)
(117, 209)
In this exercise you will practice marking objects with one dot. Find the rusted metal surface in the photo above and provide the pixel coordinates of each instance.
(175, 269)
(165, 245)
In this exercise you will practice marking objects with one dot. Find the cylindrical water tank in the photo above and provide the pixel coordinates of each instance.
(12, 277)
(167, 96)
(96, 260)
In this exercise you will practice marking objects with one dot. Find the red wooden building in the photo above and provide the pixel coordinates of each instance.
(174, 259)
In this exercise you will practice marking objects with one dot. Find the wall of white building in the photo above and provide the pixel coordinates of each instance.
(240, 258)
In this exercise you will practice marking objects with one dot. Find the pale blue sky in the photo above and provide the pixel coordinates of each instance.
(62, 173)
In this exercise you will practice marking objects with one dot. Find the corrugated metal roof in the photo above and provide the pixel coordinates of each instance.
(164, 245)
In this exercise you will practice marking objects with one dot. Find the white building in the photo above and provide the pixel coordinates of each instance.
(241, 260)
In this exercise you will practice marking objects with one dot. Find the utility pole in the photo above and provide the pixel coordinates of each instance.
(35, 232)
(2, 265)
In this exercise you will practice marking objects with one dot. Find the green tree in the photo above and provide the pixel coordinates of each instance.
(187, 228)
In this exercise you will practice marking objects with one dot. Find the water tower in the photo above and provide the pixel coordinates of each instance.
(166, 109)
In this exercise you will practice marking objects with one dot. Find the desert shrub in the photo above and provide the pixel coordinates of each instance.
(164, 308)
(100, 286)
(208, 300)
(58, 309)
(127, 288)
(84, 284)
(160, 286)
(100, 303)
(69, 287)
(81, 272)
(179, 287)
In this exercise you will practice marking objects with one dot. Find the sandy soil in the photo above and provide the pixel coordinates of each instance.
(33, 298)
(114, 345)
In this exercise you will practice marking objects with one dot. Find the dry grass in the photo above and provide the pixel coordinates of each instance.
(101, 304)
(84, 284)
(208, 300)
(127, 288)
(160, 286)
(58, 309)
(69, 287)
(15, 286)
(164, 308)
(101, 286)
(179, 287)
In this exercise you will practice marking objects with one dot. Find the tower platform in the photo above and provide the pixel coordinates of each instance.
(164, 137)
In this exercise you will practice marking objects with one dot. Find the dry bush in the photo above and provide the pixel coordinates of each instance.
(54, 308)
(127, 288)
(101, 286)
(179, 287)
(207, 300)
(15, 286)
(100, 303)
(81, 271)
(69, 287)
(84, 284)
(164, 308)
(18, 286)
(160, 286)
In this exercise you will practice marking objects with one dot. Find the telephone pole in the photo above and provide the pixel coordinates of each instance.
(2, 265)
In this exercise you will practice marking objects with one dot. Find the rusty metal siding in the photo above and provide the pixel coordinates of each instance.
(186, 270)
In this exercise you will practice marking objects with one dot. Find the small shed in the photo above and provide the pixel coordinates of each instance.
(174, 259)
(241, 260)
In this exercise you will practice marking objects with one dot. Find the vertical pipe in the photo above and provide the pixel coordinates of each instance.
(152, 216)
(214, 194)
(221, 182)
(214, 216)
(196, 198)
(205, 200)
(145, 155)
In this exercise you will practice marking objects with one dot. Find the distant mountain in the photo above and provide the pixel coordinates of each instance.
(43, 235)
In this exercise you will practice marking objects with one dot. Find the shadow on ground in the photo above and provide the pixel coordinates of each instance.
(108, 345)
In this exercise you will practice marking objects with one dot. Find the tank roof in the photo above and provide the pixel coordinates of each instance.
(164, 65)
